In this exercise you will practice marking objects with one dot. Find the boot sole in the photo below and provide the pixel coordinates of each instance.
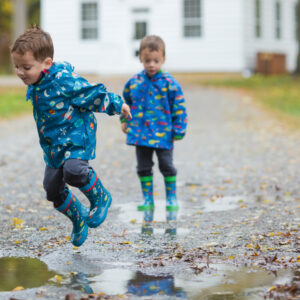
(172, 208)
(81, 239)
(145, 207)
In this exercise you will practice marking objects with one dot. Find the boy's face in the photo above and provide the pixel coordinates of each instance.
(152, 61)
(28, 68)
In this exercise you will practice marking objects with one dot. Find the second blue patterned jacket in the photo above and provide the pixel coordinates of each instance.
(63, 105)
(158, 110)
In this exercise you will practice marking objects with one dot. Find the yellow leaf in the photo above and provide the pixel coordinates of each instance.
(272, 288)
(230, 257)
(18, 288)
(243, 205)
(75, 248)
(271, 234)
(132, 221)
(199, 212)
(17, 221)
(17, 242)
(43, 228)
(196, 224)
(126, 243)
(57, 279)
(249, 246)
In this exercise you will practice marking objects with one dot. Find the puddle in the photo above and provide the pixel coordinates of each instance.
(25, 272)
(216, 282)
(222, 203)
(144, 222)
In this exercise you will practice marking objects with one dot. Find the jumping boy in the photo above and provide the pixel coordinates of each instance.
(63, 105)
(158, 118)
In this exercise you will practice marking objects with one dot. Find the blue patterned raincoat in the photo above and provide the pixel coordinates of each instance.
(158, 110)
(63, 105)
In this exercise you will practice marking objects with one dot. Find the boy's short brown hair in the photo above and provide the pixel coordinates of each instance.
(153, 43)
(35, 40)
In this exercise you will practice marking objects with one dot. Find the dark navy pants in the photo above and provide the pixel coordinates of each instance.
(74, 172)
(144, 156)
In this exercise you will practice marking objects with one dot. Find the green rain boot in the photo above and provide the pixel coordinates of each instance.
(76, 212)
(147, 188)
(99, 198)
(170, 184)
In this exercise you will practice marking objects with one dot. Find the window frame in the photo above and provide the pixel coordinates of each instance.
(89, 24)
(278, 19)
(257, 18)
(137, 36)
(190, 21)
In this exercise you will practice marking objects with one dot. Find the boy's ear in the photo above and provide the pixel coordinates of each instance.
(48, 63)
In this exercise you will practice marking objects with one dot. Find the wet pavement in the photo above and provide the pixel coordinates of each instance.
(236, 235)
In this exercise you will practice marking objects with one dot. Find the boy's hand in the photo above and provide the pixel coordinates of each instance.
(125, 111)
(124, 127)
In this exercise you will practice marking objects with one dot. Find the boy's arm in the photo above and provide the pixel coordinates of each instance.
(91, 97)
(178, 110)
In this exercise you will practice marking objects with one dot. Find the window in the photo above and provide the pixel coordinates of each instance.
(297, 24)
(192, 18)
(257, 18)
(278, 20)
(89, 21)
(140, 30)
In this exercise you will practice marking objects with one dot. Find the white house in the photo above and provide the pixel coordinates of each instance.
(102, 36)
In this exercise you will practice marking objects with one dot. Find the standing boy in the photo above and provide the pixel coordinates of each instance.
(158, 118)
(63, 105)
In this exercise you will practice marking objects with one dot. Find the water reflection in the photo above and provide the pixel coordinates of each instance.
(26, 272)
(79, 281)
(145, 285)
(120, 281)
(171, 221)
(147, 224)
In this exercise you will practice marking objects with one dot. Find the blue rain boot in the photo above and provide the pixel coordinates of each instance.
(74, 210)
(99, 198)
(147, 188)
(170, 184)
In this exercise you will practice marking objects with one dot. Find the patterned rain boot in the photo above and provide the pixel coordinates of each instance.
(99, 198)
(74, 210)
(147, 188)
(170, 184)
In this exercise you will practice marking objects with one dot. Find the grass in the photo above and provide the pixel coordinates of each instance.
(278, 94)
(13, 102)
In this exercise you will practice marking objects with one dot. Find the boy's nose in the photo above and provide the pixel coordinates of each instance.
(20, 72)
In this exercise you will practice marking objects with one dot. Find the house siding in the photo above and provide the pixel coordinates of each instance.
(267, 42)
(226, 45)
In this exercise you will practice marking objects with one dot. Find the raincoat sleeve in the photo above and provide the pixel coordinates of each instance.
(178, 110)
(91, 97)
(126, 96)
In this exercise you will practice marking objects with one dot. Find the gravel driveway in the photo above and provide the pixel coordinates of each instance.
(238, 188)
